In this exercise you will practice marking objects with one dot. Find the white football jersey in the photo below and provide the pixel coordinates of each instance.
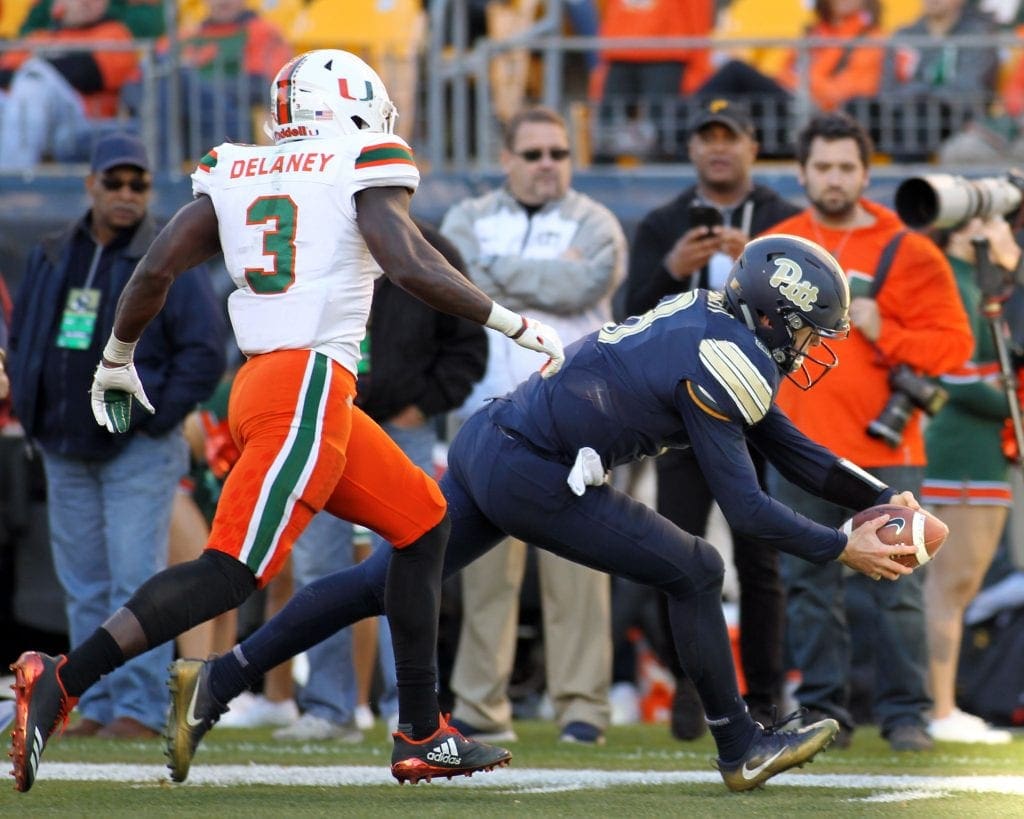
(287, 222)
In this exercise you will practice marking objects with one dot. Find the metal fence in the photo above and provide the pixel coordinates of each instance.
(465, 90)
(461, 82)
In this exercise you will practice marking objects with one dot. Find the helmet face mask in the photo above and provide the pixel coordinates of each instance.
(781, 284)
(328, 93)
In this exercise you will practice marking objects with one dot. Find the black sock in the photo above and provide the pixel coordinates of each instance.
(413, 602)
(733, 735)
(98, 655)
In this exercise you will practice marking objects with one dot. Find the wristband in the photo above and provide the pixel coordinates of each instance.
(505, 321)
(119, 352)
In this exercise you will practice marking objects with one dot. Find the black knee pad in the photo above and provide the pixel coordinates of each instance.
(183, 596)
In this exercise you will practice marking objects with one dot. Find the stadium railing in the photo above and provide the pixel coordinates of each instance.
(457, 127)
(464, 132)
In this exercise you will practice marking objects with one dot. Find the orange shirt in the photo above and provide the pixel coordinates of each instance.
(1013, 87)
(116, 67)
(661, 18)
(839, 73)
(923, 325)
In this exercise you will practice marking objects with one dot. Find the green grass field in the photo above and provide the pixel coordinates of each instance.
(641, 771)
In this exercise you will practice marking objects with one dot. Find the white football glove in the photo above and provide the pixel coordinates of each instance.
(114, 387)
(531, 334)
(112, 391)
(587, 471)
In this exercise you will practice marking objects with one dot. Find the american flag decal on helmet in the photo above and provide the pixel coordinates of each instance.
(384, 153)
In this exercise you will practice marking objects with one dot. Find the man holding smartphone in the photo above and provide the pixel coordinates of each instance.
(691, 242)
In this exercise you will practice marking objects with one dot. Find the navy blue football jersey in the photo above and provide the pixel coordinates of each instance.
(686, 373)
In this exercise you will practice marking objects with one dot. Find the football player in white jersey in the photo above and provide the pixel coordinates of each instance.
(305, 226)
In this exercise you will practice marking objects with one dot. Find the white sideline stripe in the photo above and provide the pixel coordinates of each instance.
(516, 779)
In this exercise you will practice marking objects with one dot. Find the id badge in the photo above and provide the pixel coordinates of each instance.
(79, 320)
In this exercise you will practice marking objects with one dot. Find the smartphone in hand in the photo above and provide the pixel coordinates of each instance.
(704, 216)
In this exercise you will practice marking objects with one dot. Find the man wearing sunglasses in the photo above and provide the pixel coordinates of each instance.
(110, 495)
(538, 244)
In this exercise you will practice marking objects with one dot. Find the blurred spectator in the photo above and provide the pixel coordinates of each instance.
(670, 254)
(227, 64)
(145, 18)
(53, 100)
(905, 312)
(108, 528)
(966, 479)
(999, 137)
(930, 91)
(537, 244)
(943, 70)
(635, 86)
(835, 73)
(417, 365)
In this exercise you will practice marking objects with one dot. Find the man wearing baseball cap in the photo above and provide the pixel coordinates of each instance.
(723, 112)
(109, 496)
(691, 242)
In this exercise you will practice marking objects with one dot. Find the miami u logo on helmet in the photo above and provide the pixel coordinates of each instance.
(345, 94)
(788, 280)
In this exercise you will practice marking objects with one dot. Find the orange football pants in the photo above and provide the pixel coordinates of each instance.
(305, 448)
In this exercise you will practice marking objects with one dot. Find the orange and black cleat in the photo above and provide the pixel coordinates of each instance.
(445, 753)
(41, 705)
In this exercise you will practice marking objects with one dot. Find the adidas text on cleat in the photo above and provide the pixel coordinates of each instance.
(776, 751)
(40, 705)
(193, 712)
(446, 753)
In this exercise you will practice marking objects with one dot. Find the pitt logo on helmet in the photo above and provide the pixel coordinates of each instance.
(788, 280)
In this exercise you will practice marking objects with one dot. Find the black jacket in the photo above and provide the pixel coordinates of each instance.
(180, 357)
(648, 280)
(418, 355)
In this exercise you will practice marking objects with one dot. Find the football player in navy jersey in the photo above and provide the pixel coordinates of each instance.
(701, 369)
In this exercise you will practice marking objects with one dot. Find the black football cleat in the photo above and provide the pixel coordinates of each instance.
(41, 705)
(776, 751)
(193, 712)
(445, 753)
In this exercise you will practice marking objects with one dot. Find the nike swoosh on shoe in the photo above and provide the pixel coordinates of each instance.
(753, 773)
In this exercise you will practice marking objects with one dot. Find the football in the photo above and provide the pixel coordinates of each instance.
(910, 527)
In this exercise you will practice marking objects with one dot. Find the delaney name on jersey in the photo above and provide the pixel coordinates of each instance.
(305, 162)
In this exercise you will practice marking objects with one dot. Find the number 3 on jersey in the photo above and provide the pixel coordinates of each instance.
(278, 242)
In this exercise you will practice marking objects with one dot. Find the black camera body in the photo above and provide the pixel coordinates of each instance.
(909, 390)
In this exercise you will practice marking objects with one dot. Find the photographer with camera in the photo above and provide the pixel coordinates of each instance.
(905, 312)
(966, 477)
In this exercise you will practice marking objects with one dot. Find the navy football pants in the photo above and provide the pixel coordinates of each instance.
(495, 486)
